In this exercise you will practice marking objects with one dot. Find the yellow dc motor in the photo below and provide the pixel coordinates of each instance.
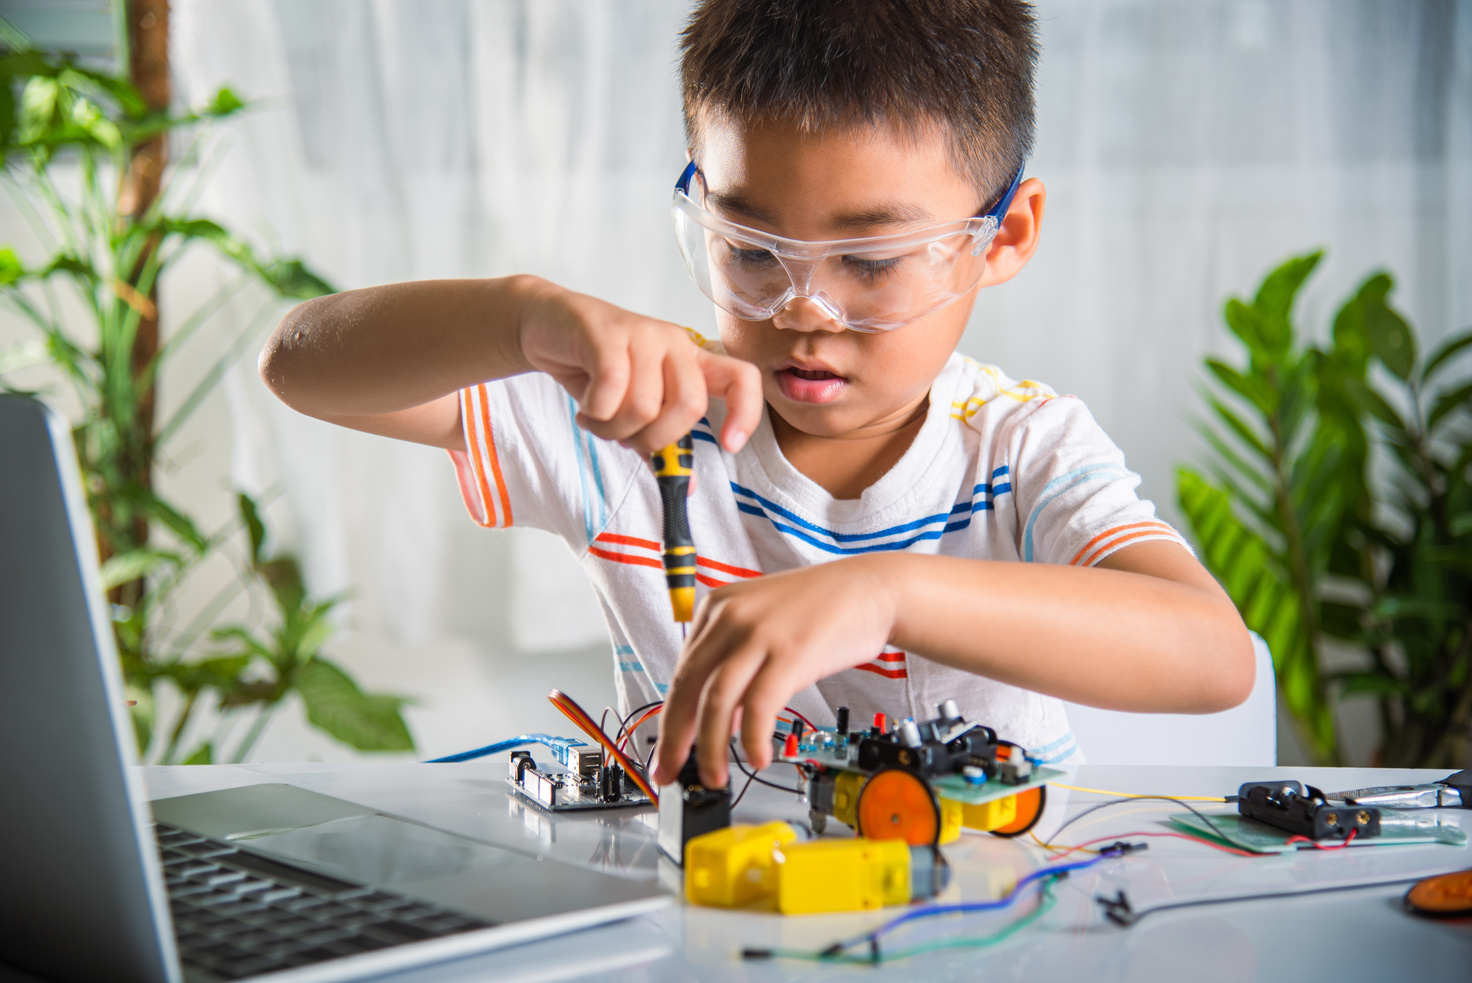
(767, 865)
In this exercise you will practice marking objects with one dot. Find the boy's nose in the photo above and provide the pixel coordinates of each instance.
(806, 314)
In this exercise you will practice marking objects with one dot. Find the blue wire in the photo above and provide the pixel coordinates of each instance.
(500, 746)
(1004, 901)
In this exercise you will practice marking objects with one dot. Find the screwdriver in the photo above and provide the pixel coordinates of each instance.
(673, 467)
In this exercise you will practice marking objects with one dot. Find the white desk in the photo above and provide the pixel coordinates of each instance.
(1362, 935)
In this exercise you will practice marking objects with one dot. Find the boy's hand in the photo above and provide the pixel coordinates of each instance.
(637, 380)
(756, 643)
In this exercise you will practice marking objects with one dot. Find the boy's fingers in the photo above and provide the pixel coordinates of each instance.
(724, 690)
(740, 385)
(642, 397)
(608, 383)
(764, 698)
(684, 404)
(682, 701)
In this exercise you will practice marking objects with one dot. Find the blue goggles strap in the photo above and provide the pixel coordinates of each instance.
(997, 211)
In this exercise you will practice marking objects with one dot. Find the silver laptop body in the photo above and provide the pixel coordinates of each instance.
(82, 891)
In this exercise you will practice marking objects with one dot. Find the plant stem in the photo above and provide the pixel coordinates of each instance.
(1323, 746)
(178, 732)
(257, 727)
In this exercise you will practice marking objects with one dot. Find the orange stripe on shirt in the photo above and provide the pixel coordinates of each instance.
(1125, 539)
(487, 503)
(710, 581)
(485, 415)
(638, 561)
(886, 673)
(1110, 532)
(609, 537)
(649, 544)
(890, 657)
(727, 568)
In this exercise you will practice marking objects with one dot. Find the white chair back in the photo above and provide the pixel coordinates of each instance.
(1243, 735)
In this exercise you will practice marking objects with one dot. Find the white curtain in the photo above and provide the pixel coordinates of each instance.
(1187, 147)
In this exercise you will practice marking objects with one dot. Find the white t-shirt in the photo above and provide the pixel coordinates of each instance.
(1000, 470)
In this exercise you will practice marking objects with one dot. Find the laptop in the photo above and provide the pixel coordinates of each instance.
(265, 881)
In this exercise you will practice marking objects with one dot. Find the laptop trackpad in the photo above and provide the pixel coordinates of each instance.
(355, 843)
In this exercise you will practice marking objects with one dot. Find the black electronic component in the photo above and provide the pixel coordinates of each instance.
(937, 747)
(587, 784)
(1303, 811)
(842, 720)
(687, 809)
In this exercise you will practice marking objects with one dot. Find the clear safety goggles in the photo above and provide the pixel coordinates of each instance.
(877, 283)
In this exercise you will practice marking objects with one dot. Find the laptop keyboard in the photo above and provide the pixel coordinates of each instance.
(238, 914)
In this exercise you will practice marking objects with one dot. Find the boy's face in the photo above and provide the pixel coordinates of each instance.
(820, 378)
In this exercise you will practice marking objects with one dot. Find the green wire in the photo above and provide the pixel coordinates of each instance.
(1046, 901)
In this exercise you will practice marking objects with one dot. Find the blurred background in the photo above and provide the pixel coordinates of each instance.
(1188, 147)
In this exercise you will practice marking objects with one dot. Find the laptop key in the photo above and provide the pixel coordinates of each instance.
(408, 932)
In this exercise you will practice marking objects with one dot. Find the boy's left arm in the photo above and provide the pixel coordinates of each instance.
(1146, 630)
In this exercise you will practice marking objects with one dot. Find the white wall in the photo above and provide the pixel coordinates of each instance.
(1187, 148)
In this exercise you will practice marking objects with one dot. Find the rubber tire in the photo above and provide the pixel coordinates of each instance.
(1021, 825)
(883, 777)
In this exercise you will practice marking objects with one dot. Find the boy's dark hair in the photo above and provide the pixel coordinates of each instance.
(964, 64)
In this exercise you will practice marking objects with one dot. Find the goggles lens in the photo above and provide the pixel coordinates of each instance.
(871, 284)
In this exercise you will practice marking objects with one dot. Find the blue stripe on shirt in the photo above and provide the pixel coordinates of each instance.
(958, 518)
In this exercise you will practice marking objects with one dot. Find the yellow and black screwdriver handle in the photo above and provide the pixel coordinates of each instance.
(673, 467)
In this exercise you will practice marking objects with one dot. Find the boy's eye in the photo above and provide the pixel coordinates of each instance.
(871, 269)
(743, 255)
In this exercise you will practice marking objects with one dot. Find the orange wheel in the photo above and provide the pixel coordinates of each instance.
(1443, 895)
(896, 804)
(1029, 811)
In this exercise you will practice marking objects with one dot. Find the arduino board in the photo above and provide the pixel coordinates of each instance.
(579, 779)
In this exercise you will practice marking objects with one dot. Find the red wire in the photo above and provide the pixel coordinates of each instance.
(805, 720)
(628, 734)
(589, 726)
(1324, 846)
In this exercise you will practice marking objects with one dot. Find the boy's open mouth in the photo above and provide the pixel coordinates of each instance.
(810, 385)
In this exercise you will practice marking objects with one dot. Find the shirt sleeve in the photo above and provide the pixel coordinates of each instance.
(527, 463)
(1076, 501)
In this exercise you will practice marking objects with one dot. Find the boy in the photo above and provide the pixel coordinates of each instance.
(864, 493)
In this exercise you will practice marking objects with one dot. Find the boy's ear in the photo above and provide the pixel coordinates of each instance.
(1017, 239)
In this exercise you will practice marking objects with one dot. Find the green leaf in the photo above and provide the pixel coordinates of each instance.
(366, 721)
(125, 567)
(251, 516)
(1243, 431)
(1351, 351)
(1368, 400)
(1250, 387)
(11, 270)
(1388, 334)
(224, 103)
(7, 116)
(1448, 350)
(284, 576)
(1274, 302)
(175, 521)
(1244, 322)
(203, 755)
(291, 278)
(1448, 403)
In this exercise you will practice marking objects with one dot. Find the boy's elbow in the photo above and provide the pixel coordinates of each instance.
(1236, 670)
(277, 362)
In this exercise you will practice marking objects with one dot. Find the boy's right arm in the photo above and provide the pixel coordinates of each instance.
(391, 360)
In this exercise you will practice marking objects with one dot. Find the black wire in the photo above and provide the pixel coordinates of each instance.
(737, 801)
(649, 757)
(1118, 909)
(1134, 798)
(623, 725)
(757, 778)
